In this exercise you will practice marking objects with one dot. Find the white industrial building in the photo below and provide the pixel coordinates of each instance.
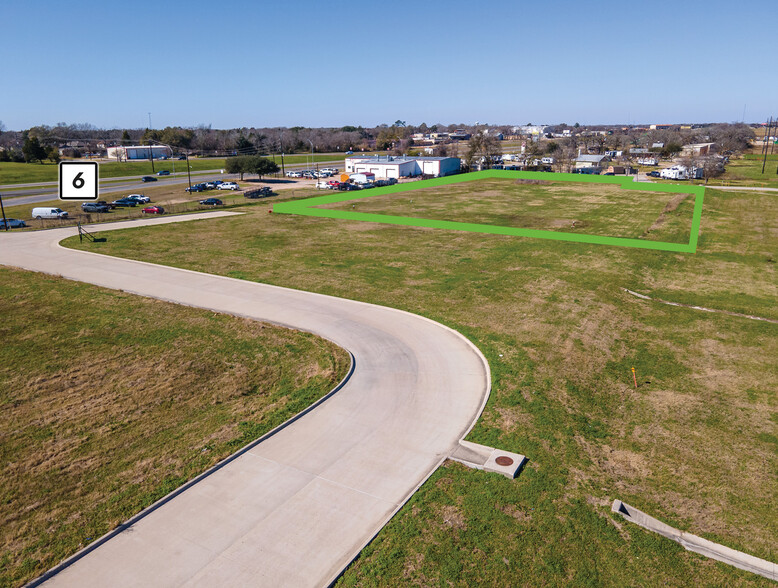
(132, 152)
(387, 166)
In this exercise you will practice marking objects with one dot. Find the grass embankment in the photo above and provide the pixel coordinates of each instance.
(694, 444)
(27, 173)
(110, 401)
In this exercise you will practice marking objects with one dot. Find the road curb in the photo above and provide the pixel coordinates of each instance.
(167, 498)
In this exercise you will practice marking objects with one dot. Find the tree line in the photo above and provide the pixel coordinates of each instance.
(77, 139)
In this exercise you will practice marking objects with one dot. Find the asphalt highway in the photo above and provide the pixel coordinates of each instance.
(21, 194)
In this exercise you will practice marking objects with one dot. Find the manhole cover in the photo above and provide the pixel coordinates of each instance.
(504, 460)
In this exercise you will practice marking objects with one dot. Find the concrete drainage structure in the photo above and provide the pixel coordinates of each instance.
(488, 459)
(698, 544)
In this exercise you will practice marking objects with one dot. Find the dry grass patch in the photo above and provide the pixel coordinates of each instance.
(110, 401)
(593, 209)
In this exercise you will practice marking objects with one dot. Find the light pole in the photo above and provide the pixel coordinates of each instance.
(174, 159)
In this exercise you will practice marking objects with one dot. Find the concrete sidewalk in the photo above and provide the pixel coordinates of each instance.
(298, 507)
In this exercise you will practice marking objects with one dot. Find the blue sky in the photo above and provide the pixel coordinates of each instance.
(239, 63)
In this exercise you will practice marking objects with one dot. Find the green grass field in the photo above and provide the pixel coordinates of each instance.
(110, 401)
(607, 210)
(747, 171)
(694, 444)
(27, 173)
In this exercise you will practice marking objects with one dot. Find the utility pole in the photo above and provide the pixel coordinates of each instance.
(765, 141)
(188, 171)
(281, 141)
(151, 148)
(5, 220)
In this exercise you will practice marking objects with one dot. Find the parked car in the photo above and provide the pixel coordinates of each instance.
(228, 186)
(345, 186)
(12, 223)
(48, 212)
(125, 202)
(95, 207)
(334, 184)
(148, 179)
(294, 174)
(163, 172)
(141, 198)
(323, 186)
(262, 192)
(211, 202)
(196, 188)
(210, 186)
(654, 174)
(153, 210)
(330, 170)
(181, 157)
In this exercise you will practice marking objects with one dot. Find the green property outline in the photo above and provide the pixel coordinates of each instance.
(305, 208)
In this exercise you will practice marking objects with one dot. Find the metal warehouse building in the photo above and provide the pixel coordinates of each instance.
(131, 152)
(387, 166)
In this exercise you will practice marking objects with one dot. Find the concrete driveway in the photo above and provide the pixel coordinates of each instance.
(295, 509)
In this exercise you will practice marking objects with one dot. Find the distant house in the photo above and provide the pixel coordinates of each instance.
(637, 150)
(590, 161)
(459, 135)
(530, 129)
(620, 170)
(659, 127)
(658, 145)
(648, 161)
(697, 149)
(614, 153)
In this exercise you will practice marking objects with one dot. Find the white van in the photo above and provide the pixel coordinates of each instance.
(46, 212)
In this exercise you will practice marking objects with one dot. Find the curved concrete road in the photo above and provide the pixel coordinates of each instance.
(298, 507)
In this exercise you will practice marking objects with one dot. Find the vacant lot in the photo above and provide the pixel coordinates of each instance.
(603, 209)
(110, 401)
(694, 444)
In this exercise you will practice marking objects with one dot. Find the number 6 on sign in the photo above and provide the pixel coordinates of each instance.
(78, 180)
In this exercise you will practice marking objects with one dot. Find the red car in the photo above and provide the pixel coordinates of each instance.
(153, 210)
(334, 183)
